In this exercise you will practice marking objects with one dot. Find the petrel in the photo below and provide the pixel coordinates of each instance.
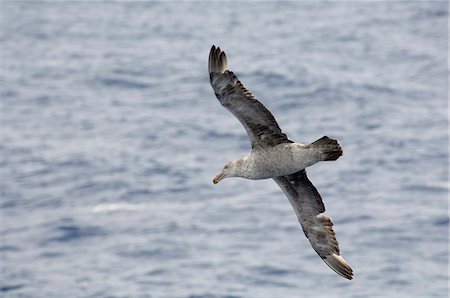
(274, 156)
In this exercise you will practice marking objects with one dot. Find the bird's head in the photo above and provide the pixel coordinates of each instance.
(229, 170)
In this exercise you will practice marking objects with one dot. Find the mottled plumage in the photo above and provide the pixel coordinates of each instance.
(273, 155)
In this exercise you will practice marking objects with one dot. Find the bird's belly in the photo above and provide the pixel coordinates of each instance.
(284, 159)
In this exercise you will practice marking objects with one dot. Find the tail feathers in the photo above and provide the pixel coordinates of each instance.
(339, 265)
(217, 60)
(330, 148)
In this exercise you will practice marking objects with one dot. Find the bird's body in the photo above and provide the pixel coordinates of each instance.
(274, 156)
(282, 159)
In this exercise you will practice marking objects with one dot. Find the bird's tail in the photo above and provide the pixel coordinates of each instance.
(329, 148)
(217, 60)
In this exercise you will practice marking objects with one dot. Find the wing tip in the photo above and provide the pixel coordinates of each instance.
(217, 60)
(339, 265)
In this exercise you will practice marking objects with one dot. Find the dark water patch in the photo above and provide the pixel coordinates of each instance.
(8, 288)
(69, 232)
(156, 272)
(162, 283)
(153, 253)
(177, 190)
(42, 100)
(438, 10)
(270, 270)
(8, 94)
(442, 221)
(131, 72)
(123, 83)
(11, 203)
(6, 248)
(379, 89)
(371, 126)
(13, 151)
(425, 188)
(51, 254)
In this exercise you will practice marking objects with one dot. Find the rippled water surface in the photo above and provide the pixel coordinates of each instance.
(111, 134)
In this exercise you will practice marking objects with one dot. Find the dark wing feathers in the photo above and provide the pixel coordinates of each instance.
(261, 126)
(217, 61)
(318, 228)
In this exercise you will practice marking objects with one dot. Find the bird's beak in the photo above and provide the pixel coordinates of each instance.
(219, 177)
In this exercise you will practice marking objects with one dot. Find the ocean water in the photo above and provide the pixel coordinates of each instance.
(111, 135)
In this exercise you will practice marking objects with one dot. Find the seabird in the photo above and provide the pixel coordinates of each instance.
(274, 156)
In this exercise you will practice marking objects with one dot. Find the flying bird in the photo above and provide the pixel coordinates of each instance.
(274, 156)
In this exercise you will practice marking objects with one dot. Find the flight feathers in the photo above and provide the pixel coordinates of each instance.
(339, 265)
(217, 61)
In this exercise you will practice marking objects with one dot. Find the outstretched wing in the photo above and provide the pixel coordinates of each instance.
(261, 126)
(318, 228)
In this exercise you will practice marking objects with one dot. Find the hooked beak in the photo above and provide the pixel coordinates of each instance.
(219, 177)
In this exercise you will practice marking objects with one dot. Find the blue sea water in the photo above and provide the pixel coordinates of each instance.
(111, 135)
